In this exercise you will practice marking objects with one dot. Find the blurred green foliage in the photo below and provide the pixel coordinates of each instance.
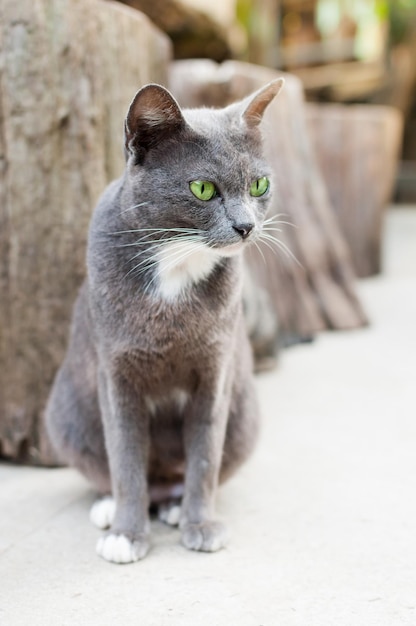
(402, 20)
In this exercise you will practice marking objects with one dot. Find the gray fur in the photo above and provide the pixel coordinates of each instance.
(158, 391)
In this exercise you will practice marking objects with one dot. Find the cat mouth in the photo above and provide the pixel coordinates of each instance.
(231, 249)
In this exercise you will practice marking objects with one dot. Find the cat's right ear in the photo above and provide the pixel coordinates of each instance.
(153, 116)
(256, 104)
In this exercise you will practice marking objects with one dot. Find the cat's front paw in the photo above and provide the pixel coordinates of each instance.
(208, 536)
(120, 549)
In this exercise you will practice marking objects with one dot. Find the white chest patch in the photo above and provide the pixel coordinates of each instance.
(183, 263)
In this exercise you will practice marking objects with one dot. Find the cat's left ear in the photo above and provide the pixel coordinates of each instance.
(153, 116)
(256, 104)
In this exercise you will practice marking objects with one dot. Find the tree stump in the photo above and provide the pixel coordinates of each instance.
(68, 71)
(193, 33)
(312, 286)
(357, 147)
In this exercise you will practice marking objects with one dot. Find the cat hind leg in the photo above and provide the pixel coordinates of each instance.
(102, 512)
(170, 512)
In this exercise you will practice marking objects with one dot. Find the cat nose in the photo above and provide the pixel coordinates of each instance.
(243, 229)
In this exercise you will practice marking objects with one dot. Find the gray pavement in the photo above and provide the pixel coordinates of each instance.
(322, 519)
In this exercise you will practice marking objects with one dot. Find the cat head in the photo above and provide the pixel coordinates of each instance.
(197, 170)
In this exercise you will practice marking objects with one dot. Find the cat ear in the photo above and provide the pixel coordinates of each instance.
(153, 116)
(259, 101)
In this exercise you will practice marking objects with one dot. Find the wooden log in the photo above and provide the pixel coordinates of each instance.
(357, 147)
(67, 74)
(317, 290)
(193, 33)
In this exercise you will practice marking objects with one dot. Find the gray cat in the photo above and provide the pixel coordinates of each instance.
(155, 399)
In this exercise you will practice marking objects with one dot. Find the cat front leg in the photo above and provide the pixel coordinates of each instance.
(205, 428)
(126, 429)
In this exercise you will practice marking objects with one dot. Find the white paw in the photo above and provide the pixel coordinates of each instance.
(170, 513)
(119, 549)
(102, 512)
(207, 536)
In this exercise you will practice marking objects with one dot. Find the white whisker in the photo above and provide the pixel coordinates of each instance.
(278, 222)
(260, 250)
(156, 230)
(145, 241)
(272, 220)
(179, 255)
(274, 229)
(154, 259)
(280, 244)
(157, 243)
(272, 217)
(135, 206)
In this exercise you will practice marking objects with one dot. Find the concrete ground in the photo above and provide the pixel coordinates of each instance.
(323, 518)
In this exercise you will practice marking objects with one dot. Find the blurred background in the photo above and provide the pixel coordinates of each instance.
(323, 518)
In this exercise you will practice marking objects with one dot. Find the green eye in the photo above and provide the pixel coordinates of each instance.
(259, 187)
(203, 189)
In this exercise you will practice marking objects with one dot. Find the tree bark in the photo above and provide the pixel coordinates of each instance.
(68, 71)
(312, 286)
